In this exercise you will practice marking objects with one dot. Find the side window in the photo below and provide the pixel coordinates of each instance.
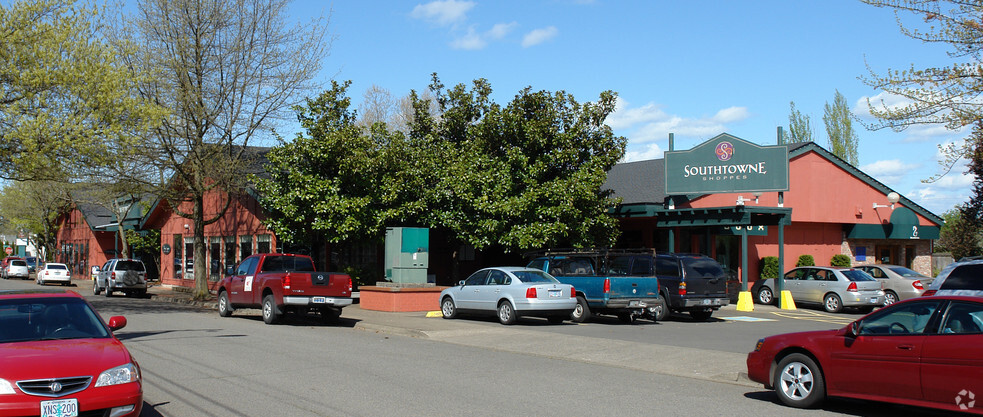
(496, 277)
(247, 267)
(666, 267)
(875, 272)
(477, 278)
(963, 277)
(963, 318)
(821, 275)
(908, 319)
(105, 266)
(618, 265)
(794, 275)
(579, 266)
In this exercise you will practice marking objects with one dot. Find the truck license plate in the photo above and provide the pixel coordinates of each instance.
(556, 293)
(635, 303)
(60, 408)
(319, 300)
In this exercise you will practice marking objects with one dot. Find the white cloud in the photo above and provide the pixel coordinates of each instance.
(443, 12)
(470, 41)
(913, 133)
(731, 114)
(650, 151)
(539, 36)
(500, 30)
(649, 123)
(889, 171)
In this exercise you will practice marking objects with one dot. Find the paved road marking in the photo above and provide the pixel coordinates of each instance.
(746, 318)
(814, 316)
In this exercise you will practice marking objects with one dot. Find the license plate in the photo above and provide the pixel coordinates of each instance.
(319, 300)
(873, 300)
(634, 303)
(60, 408)
(556, 293)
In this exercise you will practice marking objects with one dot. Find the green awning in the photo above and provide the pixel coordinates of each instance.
(903, 225)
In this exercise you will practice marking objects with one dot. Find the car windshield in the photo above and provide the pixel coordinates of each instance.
(533, 276)
(33, 319)
(129, 266)
(905, 272)
(856, 275)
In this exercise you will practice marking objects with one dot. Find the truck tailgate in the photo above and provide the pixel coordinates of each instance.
(634, 287)
(322, 283)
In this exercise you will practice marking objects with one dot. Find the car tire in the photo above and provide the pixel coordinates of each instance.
(506, 313)
(270, 313)
(108, 290)
(832, 303)
(581, 312)
(765, 296)
(664, 311)
(799, 381)
(890, 297)
(95, 287)
(224, 306)
(447, 308)
(701, 315)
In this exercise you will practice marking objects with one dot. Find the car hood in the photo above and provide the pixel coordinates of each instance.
(60, 358)
(803, 338)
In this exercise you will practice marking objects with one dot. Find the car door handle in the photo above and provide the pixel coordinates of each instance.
(497, 291)
(906, 347)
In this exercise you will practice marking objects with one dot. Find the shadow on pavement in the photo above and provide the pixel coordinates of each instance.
(852, 407)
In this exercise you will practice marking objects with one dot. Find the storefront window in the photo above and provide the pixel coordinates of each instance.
(214, 257)
(245, 246)
(230, 251)
(178, 257)
(189, 260)
(263, 243)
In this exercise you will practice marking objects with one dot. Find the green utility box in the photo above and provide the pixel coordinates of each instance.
(407, 254)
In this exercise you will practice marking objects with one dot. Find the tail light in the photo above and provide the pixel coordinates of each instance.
(573, 292)
(917, 284)
(531, 292)
(286, 282)
(112, 275)
(927, 293)
(682, 288)
(607, 285)
(852, 287)
(349, 284)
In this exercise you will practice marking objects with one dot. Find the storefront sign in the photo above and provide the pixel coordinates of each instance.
(166, 249)
(752, 230)
(726, 164)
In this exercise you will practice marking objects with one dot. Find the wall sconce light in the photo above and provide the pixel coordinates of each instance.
(892, 198)
(186, 227)
(741, 200)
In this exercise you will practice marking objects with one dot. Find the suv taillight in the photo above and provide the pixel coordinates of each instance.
(112, 275)
(852, 287)
(682, 288)
(531, 292)
(917, 284)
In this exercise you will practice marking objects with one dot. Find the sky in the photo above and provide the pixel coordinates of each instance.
(693, 68)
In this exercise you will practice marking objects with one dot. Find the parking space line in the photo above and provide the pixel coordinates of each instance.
(814, 316)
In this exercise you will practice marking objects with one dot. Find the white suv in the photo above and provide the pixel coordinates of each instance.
(128, 276)
(17, 269)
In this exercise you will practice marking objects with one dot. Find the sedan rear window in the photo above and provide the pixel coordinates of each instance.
(965, 277)
(533, 276)
(49, 266)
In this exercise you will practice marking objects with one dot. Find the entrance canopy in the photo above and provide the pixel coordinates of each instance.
(903, 225)
(711, 216)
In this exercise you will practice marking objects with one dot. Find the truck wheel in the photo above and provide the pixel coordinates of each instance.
(662, 313)
(224, 307)
(581, 312)
(506, 313)
(95, 287)
(701, 315)
(270, 312)
(109, 291)
(447, 308)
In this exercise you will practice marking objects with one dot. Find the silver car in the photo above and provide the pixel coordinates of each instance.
(959, 278)
(509, 293)
(833, 288)
(17, 269)
(899, 283)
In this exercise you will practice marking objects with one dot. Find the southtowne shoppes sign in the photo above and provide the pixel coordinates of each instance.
(726, 164)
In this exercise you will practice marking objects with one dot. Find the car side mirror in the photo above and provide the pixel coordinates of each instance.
(117, 322)
(95, 270)
(461, 283)
(853, 330)
(230, 270)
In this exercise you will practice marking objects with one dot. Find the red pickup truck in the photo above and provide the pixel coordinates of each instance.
(280, 283)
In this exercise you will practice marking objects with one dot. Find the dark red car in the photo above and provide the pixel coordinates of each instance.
(58, 358)
(925, 352)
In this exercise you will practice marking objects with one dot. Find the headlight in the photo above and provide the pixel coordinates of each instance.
(6, 387)
(119, 375)
(757, 346)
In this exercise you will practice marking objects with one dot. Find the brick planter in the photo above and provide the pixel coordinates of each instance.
(396, 299)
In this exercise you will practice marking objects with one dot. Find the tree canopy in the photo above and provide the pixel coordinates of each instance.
(799, 126)
(839, 127)
(525, 175)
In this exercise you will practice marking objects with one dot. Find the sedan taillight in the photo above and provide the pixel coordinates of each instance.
(917, 284)
(573, 292)
(531, 292)
(852, 287)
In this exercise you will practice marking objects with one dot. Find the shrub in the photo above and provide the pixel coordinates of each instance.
(806, 260)
(769, 267)
(840, 260)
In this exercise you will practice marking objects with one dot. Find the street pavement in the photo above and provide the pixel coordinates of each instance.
(704, 364)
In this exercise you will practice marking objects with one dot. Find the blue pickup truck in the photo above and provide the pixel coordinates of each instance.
(620, 283)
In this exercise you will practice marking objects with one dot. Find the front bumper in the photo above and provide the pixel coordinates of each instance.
(295, 300)
(759, 368)
(92, 400)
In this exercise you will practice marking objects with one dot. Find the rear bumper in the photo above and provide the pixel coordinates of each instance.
(294, 300)
(631, 303)
(860, 299)
(544, 308)
(706, 302)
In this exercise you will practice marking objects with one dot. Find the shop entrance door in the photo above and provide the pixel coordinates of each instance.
(887, 254)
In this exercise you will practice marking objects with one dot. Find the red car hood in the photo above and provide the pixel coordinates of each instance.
(60, 358)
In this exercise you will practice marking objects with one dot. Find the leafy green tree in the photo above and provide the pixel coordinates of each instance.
(64, 92)
(34, 206)
(799, 127)
(227, 72)
(957, 236)
(147, 243)
(839, 127)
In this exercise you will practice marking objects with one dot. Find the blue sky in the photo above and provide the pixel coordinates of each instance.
(693, 68)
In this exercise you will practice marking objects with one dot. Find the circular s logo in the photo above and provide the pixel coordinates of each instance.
(725, 150)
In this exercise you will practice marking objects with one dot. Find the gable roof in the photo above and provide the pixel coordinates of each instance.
(642, 182)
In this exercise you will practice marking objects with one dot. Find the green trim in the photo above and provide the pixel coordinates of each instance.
(891, 231)
(711, 216)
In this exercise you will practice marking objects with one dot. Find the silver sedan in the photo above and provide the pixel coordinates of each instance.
(510, 292)
(900, 283)
(832, 288)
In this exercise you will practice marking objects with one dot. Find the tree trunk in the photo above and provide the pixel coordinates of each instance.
(200, 268)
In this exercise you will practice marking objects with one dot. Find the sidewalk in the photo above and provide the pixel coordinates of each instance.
(717, 366)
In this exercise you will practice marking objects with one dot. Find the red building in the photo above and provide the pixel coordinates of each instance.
(87, 236)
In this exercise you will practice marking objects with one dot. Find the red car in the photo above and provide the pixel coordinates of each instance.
(925, 352)
(58, 358)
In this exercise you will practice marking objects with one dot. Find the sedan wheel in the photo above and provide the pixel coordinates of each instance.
(799, 382)
(890, 298)
(447, 308)
(832, 303)
(765, 296)
(506, 314)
